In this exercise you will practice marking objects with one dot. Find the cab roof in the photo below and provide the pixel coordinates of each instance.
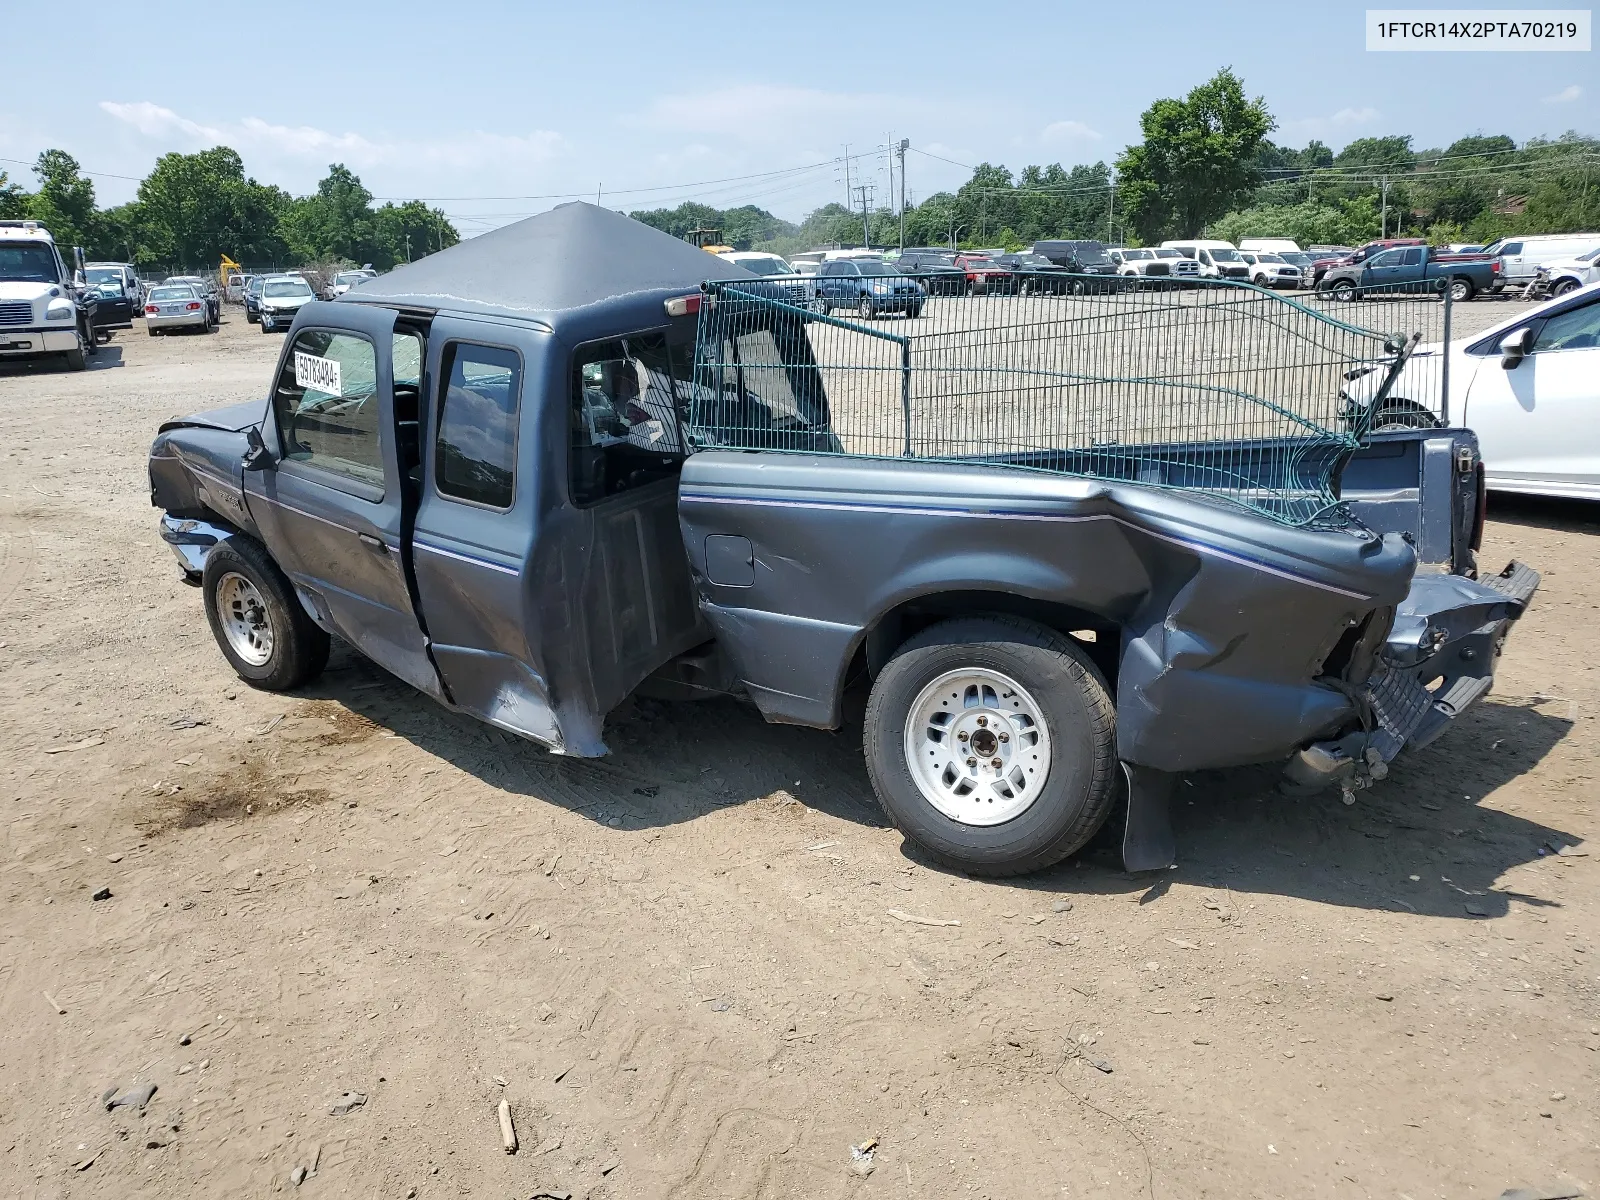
(578, 267)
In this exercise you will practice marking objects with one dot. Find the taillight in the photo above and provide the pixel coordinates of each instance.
(151, 308)
(1494, 266)
(683, 306)
(193, 306)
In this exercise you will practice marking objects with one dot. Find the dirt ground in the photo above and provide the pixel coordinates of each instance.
(681, 965)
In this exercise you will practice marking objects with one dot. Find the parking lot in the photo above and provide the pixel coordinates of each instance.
(705, 966)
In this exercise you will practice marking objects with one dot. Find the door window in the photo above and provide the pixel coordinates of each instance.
(327, 406)
(1413, 257)
(1575, 329)
(628, 396)
(477, 444)
(1511, 249)
(1389, 258)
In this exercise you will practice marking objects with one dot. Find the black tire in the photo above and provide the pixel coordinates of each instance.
(1344, 291)
(1079, 714)
(299, 647)
(1462, 290)
(75, 358)
(151, 332)
(1077, 287)
(865, 309)
(1564, 286)
(1403, 414)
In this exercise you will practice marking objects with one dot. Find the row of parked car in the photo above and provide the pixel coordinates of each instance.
(872, 282)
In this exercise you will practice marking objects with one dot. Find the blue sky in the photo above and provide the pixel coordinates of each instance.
(493, 110)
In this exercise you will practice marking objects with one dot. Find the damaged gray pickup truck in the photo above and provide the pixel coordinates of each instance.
(1077, 546)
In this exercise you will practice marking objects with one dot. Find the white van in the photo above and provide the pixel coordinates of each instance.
(1269, 245)
(1218, 260)
(1521, 257)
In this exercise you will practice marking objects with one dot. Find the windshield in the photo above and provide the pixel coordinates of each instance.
(1225, 256)
(765, 264)
(1129, 255)
(1033, 260)
(350, 278)
(1591, 256)
(1269, 258)
(172, 293)
(1092, 254)
(27, 262)
(1166, 253)
(288, 287)
(102, 275)
(879, 268)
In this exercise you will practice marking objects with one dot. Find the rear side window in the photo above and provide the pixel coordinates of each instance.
(477, 443)
(628, 397)
(1412, 258)
(327, 406)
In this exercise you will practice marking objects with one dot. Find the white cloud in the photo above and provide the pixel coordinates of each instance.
(254, 137)
(1317, 127)
(1566, 95)
(1067, 131)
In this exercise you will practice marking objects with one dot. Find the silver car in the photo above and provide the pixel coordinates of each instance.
(175, 306)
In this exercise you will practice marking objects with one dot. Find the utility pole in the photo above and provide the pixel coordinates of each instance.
(866, 233)
(1111, 216)
(1383, 217)
(901, 148)
(408, 245)
(848, 194)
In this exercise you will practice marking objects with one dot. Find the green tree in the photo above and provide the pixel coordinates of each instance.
(335, 222)
(1198, 158)
(13, 200)
(406, 232)
(192, 208)
(64, 203)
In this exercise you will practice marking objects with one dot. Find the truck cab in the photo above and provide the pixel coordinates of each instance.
(575, 457)
(43, 313)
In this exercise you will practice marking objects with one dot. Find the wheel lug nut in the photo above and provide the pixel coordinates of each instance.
(1005, 737)
(995, 764)
(962, 735)
(983, 720)
(972, 762)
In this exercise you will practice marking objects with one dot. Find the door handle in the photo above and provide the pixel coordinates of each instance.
(377, 544)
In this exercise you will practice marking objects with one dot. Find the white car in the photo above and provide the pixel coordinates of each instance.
(1571, 274)
(758, 262)
(281, 297)
(1145, 263)
(343, 281)
(1528, 387)
(1270, 270)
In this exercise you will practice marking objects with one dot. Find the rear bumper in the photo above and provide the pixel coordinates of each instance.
(187, 320)
(1437, 662)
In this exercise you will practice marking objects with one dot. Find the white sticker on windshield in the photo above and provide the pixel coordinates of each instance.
(319, 374)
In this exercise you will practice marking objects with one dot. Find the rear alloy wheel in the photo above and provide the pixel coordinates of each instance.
(1461, 290)
(817, 305)
(866, 310)
(262, 629)
(990, 743)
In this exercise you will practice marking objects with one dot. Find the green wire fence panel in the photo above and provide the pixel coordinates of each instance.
(1225, 389)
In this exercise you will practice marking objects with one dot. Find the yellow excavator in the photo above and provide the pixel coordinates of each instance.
(709, 240)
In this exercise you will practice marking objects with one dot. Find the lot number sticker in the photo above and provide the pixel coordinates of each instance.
(318, 374)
